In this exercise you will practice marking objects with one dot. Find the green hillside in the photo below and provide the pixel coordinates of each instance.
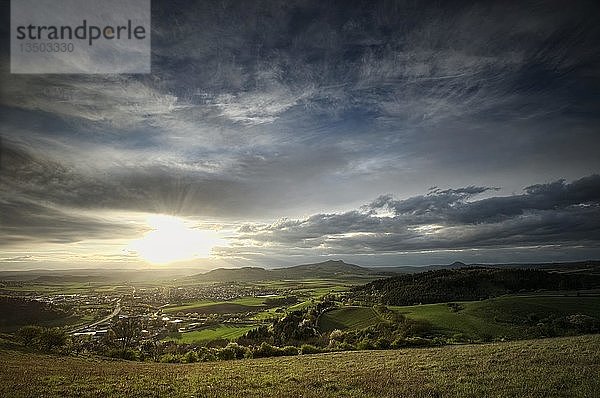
(215, 332)
(348, 318)
(510, 317)
(561, 367)
(467, 284)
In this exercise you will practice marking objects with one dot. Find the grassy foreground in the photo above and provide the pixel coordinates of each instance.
(560, 367)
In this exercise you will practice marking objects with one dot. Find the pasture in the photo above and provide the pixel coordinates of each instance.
(501, 317)
(348, 318)
(209, 333)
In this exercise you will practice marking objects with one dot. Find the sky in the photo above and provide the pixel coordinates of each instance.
(273, 133)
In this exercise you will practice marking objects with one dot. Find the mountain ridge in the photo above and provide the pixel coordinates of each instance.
(329, 268)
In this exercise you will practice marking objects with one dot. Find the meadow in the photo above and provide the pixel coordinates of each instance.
(558, 367)
(348, 318)
(501, 317)
(210, 333)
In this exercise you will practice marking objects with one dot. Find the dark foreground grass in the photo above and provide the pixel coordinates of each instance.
(560, 367)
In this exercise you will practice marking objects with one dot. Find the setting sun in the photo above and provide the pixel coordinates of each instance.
(172, 240)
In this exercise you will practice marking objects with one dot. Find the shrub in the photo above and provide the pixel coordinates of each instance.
(29, 335)
(266, 350)
(365, 344)
(343, 346)
(46, 339)
(309, 349)
(382, 344)
(206, 354)
(400, 342)
(190, 357)
(337, 335)
(225, 353)
(460, 338)
(52, 338)
(170, 358)
(239, 351)
(418, 342)
(289, 350)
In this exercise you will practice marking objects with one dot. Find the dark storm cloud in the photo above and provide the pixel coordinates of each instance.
(27, 222)
(451, 206)
(555, 213)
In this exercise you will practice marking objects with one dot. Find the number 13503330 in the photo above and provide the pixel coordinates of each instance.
(47, 47)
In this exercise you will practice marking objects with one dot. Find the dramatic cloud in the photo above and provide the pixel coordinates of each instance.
(557, 213)
(259, 110)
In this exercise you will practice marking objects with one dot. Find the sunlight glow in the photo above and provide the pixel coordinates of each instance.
(172, 240)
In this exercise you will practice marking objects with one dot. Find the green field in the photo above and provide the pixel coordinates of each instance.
(225, 307)
(561, 367)
(216, 332)
(268, 314)
(300, 306)
(496, 317)
(348, 318)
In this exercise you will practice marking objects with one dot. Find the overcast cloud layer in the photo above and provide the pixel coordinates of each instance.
(307, 129)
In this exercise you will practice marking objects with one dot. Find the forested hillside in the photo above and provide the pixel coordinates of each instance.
(467, 284)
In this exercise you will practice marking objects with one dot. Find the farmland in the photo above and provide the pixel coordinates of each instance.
(503, 317)
(349, 318)
(305, 337)
(210, 333)
(560, 367)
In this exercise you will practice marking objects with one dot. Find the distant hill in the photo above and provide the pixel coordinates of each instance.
(411, 269)
(339, 268)
(588, 266)
(326, 269)
(466, 284)
(330, 268)
(94, 275)
(235, 274)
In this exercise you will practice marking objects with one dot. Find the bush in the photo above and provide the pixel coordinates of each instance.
(459, 338)
(190, 357)
(239, 351)
(337, 335)
(400, 342)
(414, 327)
(290, 350)
(418, 342)
(266, 350)
(46, 339)
(206, 354)
(343, 346)
(170, 358)
(52, 338)
(225, 353)
(382, 344)
(29, 335)
(309, 349)
(366, 344)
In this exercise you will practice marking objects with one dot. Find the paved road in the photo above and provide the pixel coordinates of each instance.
(107, 318)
